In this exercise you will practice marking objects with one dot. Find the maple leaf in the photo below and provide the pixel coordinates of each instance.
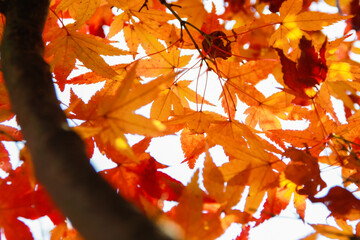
(72, 45)
(23, 201)
(141, 180)
(229, 194)
(310, 71)
(5, 112)
(63, 231)
(268, 112)
(333, 232)
(240, 81)
(8, 133)
(92, 77)
(216, 45)
(313, 137)
(193, 10)
(115, 114)
(293, 22)
(5, 164)
(80, 10)
(288, 190)
(261, 173)
(339, 74)
(275, 203)
(341, 203)
(102, 17)
(224, 132)
(257, 165)
(141, 27)
(243, 160)
(162, 63)
(174, 100)
(151, 19)
(251, 72)
(211, 23)
(196, 122)
(304, 171)
(192, 145)
(189, 214)
(213, 179)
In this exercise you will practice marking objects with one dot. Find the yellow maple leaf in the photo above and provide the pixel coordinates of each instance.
(293, 22)
(193, 10)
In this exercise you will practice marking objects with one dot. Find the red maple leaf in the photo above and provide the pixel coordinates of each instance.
(342, 203)
(310, 71)
(22, 200)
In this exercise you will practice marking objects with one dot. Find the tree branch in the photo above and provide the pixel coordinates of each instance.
(58, 153)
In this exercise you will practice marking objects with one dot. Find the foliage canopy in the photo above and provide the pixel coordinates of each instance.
(268, 165)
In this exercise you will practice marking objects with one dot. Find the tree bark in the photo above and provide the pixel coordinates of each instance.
(58, 154)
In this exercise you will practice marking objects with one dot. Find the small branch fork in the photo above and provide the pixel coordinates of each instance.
(183, 25)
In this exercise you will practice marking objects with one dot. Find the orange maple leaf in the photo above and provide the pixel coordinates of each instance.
(192, 145)
(189, 214)
(71, 45)
(346, 232)
(65, 232)
(115, 114)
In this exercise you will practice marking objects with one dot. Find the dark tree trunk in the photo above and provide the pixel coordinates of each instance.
(58, 153)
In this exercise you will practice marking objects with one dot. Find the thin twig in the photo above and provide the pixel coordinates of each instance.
(338, 7)
(183, 24)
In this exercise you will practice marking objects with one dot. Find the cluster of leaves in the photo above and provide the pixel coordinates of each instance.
(267, 165)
